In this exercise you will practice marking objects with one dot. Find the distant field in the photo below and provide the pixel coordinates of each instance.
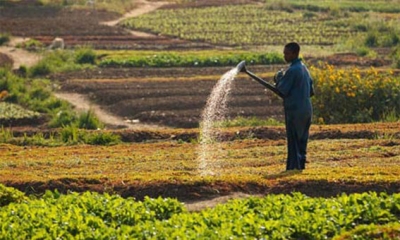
(247, 25)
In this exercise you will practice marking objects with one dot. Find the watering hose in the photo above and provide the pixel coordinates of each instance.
(242, 68)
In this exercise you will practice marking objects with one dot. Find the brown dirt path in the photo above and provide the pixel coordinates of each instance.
(143, 8)
(83, 104)
(19, 56)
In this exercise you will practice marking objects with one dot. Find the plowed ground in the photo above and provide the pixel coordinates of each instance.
(171, 97)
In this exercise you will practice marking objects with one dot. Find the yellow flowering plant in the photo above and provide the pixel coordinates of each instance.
(354, 95)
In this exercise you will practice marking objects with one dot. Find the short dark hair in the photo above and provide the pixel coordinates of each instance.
(293, 47)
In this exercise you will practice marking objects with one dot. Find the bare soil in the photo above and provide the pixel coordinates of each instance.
(170, 102)
(18, 57)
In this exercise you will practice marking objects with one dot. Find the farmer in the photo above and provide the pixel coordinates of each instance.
(297, 87)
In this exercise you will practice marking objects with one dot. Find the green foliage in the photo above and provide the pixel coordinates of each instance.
(10, 195)
(389, 6)
(36, 96)
(73, 135)
(102, 138)
(244, 25)
(70, 134)
(6, 135)
(385, 232)
(4, 38)
(40, 69)
(250, 122)
(188, 59)
(85, 56)
(88, 120)
(120, 6)
(62, 118)
(12, 112)
(296, 216)
(395, 55)
(61, 61)
(352, 96)
(31, 45)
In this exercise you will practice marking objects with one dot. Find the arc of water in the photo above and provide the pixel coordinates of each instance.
(214, 112)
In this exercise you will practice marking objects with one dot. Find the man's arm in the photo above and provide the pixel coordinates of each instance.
(285, 84)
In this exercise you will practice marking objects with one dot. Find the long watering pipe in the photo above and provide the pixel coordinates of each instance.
(242, 68)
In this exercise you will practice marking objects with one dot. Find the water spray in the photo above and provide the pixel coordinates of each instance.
(242, 68)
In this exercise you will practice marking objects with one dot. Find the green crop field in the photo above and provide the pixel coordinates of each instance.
(256, 25)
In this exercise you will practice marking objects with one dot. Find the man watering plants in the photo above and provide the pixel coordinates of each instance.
(296, 86)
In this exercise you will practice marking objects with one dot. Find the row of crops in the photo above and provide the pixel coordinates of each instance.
(10, 112)
(186, 59)
(102, 216)
(343, 95)
(391, 6)
(245, 25)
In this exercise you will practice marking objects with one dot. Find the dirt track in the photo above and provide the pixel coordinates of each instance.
(19, 56)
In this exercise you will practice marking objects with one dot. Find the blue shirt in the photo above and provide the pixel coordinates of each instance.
(296, 86)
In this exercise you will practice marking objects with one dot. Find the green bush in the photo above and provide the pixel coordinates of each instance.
(40, 69)
(352, 96)
(88, 120)
(4, 38)
(102, 138)
(295, 216)
(70, 134)
(60, 61)
(85, 56)
(62, 118)
(395, 55)
(176, 59)
(10, 195)
(31, 45)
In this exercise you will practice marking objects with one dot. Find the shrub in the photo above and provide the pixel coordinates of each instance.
(62, 118)
(10, 195)
(88, 120)
(102, 138)
(31, 45)
(4, 38)
(40, 69)
(350, 96)
(60, 61)
(371, 40)
(70, 134)
(85, 56)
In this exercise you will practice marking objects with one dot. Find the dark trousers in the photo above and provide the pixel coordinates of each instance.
(297, 132)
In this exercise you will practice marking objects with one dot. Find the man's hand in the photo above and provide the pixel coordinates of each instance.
(278, 76)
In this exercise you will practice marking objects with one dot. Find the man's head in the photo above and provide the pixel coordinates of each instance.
(291, 51)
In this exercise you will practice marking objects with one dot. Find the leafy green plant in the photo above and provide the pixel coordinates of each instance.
(10, 111)
(85, 55)
(295, 216)
(352, 96)
(101, 138)
(387, 232)
(31, 45)
(4, 38)
(6, 135)
(60, 61)
(250, 122)
(187, 59)
(88, 120)
(70, 134)
(10, 195)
